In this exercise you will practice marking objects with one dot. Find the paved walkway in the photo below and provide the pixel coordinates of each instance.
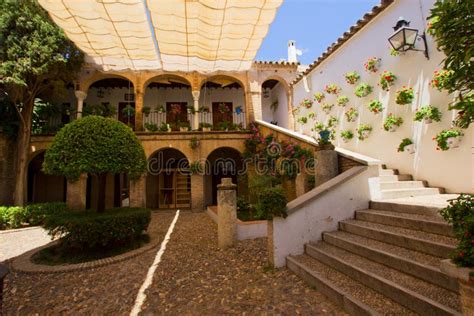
(194, 277)
(14, 242)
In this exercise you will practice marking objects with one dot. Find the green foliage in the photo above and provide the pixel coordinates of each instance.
(9, 120)
(128, 111)
(104, 109)
(347, 135)
(460, 213)
(428, 112)
(392, 120)
(272, 203)
(151, 127)
(405, 142)
(327, 107)
(405, 95)
(387, 79)
(33, 214)
(351, 114)
(352, 77)
(363, 90)
(89, 230)
(451, 24)
(442, 138)
(196, 167)
(194, 143)
(375, 106)
(95, 145)
(225, 126)
(363, 130)
(302, 120)
(204, 125)
(164, 127)
(342, 100)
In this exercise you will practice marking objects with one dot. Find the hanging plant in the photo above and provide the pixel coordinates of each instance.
(319, 96)
(146, 110)
(327, 107)
(392, 122)
(351, 115)
(387, 79)
(318, 127)
(195, 167)
(363, 90)
(375, 106)
(194, 143)
(448, 138)
(342, 100)
(372, 64)
(406, 145)
(364, 131)
(332, 89)
(160, 109)
(128, 110)
(151, 127)
(347, 135)
(307, 103)
(352, 77)
(238, 110)
(303, 120)
(405, 95)
(332, 121)
(312, 116)
(428, 114)
(441, 79)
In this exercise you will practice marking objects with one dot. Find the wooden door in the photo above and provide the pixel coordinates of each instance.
(221, 111)
(123, 117)
(176, 112)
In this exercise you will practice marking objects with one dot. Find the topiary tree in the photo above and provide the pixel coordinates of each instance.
(97, 146)
(451, 23)
(35, 57)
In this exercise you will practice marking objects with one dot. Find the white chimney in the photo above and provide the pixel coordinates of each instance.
(292, 58)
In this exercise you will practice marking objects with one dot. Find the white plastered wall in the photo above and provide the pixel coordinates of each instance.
(452, 169)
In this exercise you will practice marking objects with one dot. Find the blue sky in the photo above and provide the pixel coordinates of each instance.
(313, 24)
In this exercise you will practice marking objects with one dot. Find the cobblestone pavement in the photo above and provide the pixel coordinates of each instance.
(194, 277)
(14, 242)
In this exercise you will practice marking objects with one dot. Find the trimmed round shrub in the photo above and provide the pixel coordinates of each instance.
(91, 230)
(272, 203)
(33, 214)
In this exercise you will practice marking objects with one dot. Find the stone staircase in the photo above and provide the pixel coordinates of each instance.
(386, 260)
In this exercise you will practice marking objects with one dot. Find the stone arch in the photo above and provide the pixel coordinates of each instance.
(98, 76)
(42, 187)
(282, 116)
(168, 183)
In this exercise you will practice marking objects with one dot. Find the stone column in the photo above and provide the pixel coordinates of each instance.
(326, 165)
(196, 109)
(138, 110)
(256, 97)
(76, 193)
(81, 96)
(291, 115)
(301, 183)
(197, 192)
(227, 213)
(138, 192)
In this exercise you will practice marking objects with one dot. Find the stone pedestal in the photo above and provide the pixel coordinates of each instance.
(138, 192)
(197, 193)
(270, 245)
(227, 213)
(326, 165)
(76, 193)
(466, 284)
(301, 183)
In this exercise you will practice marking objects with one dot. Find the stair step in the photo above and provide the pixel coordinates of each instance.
(387, 172)
(413, 293)
(354, 297)
(429, 224)
(400, 193)
(395, 177)
(388, 185)
(436, 245)
(404, 208)
(417, 264)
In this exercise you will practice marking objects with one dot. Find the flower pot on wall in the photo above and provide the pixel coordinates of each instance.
(453, 142)
(184, 129)
(410, 148)
(365, 134)
(392, 128)
(427, 120)
(206, 129)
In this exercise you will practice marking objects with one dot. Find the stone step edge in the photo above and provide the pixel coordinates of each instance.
(439, 230)
(407, 208)
(425, 272)
(350, 304)
(406, 297)
(417, 244)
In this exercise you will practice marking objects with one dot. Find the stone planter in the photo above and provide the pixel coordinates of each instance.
(453, 142)
(326, 164)
(466, 284)
(184, 129)
(206, 129)
(410, 148)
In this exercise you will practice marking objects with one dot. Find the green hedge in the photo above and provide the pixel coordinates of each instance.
(34, 214)
(92, 230)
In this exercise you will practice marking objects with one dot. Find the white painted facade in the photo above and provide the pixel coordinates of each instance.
(452, 169)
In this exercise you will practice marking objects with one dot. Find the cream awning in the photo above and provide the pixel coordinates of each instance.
(173, 35)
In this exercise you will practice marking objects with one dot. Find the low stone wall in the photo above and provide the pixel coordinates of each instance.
(7, 170)
(345, 163)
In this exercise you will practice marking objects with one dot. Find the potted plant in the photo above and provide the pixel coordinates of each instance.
(307, 103)
(406, 145)
(351, 115)
(332, 121)
(375, 106)
(205, 127)
(238, 110)
(387, 79)
(146, 110)
(342, 100)
(352, 77)
(332, 89)
(302, 120)
(160, 109)
(165, 127)
(448, 138)
(128, 110)
(190, 109)
(151, 127)
(440, 79)
(225, 126)
(392, 122)
(327, 107)
(319, 96)
(194, 143)
(223, 108)
(405, 95)
(347, 135)
(204, 109)
(364, 131)
(312, 115)
(183, 126)
(428, 114)
(372, 64)
(363, 90)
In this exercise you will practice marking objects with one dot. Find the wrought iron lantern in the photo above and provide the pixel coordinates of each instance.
(404, 38)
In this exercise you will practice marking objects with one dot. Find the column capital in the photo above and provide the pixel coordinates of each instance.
(80, 95)
(196, 94)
